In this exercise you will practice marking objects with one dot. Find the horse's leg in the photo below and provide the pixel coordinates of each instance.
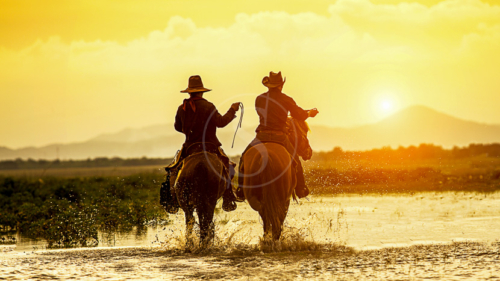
(279, 228)
(267, 226)
(206, 225)
(189, 229)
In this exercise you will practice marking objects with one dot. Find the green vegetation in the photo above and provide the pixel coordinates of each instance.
(366, 180)
(423, 151)
(405, 170)
(69, 212)
(20, 164)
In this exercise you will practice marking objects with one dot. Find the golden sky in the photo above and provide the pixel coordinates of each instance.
(70, 70)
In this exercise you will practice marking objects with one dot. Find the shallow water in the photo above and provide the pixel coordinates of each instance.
(362, 222)
(368, 225)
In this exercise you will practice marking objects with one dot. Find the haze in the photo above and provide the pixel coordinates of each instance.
(71, 70)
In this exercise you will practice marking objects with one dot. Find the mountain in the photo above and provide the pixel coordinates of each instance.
(135, 135)
(410, 126)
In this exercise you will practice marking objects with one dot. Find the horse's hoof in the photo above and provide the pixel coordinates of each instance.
(229, 206)
(302, 191)
(172, 210)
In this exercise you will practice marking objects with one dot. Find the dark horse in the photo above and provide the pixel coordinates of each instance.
(199, 184)
(269, 180)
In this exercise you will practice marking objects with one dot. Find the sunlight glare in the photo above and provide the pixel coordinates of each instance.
(386, 105)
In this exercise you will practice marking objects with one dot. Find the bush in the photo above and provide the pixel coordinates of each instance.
(69, 212)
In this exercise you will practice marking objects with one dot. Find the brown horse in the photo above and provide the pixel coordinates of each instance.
(269, 178)
(199, 184)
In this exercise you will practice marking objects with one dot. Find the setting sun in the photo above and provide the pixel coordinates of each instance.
(386, 105)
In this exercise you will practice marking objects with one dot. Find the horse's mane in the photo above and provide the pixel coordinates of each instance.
(291, 119)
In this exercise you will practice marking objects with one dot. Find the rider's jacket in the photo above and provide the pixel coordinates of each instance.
(198, 119)
(273, 107)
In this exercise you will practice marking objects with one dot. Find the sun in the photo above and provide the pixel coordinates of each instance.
(386, 105)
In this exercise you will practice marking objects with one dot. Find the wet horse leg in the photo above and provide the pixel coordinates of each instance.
(206, 225)
(267, 226)
(189, 229)
(279, 228)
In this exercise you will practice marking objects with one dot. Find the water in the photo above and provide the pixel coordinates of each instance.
(362, 222)
(369, 225)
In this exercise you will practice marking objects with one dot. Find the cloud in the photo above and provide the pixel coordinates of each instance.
(427, 27)
(335, 61)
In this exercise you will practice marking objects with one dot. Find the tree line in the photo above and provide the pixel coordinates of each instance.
(423, 151)
(22, 164)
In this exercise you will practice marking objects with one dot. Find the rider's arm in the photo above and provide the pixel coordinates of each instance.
(296, 111)
(222, 120)
(178, 120)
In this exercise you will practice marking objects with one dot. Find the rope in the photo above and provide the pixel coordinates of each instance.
(239, 123)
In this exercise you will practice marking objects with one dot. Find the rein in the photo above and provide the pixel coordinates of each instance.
(239, 123)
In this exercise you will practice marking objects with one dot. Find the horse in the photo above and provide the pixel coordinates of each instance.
(200, 183)
(269, 180)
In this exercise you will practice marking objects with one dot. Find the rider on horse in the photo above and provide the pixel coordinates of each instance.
(198, 119)
(273, 108)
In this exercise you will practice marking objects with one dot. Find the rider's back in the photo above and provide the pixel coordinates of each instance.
(199, 119)
(273, 107)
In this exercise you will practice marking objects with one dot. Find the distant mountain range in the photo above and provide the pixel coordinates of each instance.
(410, 126)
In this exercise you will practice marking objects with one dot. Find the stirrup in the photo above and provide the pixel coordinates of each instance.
(228, 201)
(240, 195)
(172, 209)
(172, 205)
(302, 192)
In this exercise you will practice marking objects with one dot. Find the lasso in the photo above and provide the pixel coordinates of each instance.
(239, 123)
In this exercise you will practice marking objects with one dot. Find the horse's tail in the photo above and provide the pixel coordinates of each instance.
(274, 194)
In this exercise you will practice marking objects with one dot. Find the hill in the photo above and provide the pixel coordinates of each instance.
(410, 126)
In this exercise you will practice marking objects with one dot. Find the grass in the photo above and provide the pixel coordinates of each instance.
(83, 172)
(361, 176)
(68, 212)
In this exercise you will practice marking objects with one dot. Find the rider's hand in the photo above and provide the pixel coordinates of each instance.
(313, 112)
(236, 106)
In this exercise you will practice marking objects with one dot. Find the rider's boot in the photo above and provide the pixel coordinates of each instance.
(168, 198)
(173, 206)
(228, 199)
(301, 189)
(240, 196)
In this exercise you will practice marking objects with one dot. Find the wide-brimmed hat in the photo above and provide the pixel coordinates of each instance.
(195, 85)
(273, 80)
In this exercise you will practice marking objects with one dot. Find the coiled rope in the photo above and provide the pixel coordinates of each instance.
(239, 123)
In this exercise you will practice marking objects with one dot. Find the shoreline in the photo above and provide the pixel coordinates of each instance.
(457, 260)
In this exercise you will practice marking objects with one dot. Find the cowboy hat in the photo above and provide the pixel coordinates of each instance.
(273, 80)
(195, 85)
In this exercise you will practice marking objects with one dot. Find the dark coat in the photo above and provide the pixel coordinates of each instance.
(201, 125)
(273, 107)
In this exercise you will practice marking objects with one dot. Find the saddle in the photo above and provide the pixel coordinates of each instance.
(195, 148)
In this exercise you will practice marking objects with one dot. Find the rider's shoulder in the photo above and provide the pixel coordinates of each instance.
(287, 98)
(207, 102)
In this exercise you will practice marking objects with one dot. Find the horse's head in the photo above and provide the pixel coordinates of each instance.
(297, 134)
